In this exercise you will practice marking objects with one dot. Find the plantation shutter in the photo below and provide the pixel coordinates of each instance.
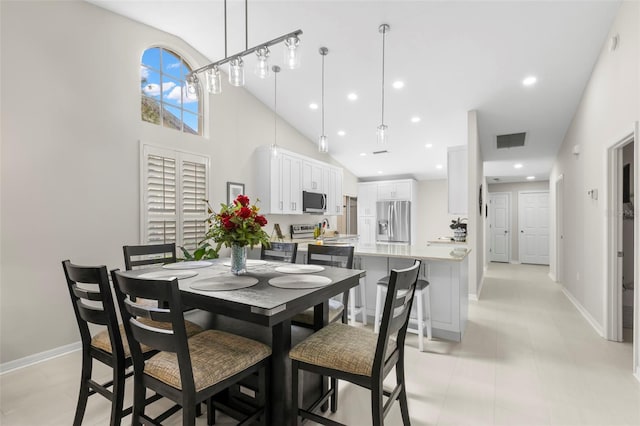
(173, 187)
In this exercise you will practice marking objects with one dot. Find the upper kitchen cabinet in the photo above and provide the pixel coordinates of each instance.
(395, 190)
(457, 179)
(281, 180)
(367, 197)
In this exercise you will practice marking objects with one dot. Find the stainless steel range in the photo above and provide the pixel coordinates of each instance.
(302, 232)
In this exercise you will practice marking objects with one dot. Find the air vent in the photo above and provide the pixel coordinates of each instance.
(510, 141)
(380, 152)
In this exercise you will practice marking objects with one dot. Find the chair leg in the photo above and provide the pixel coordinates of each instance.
(334, 395)
(139, 394)
(352, 304)
(402, 397)
(211, 412)
(376, 320)
(189, 414)
(377, 408)
(295, 388)
(428, 305)
(83, 395)
(363, 301)
(117, 395)
(418, 296)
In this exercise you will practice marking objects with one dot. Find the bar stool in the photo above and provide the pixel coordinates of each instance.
(422, 289)
(362, 310)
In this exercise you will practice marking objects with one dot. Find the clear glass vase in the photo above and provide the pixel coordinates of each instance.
(238, 260)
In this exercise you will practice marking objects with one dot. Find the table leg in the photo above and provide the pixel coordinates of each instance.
(280, 380)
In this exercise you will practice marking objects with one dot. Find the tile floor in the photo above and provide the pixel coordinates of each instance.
(527, 358)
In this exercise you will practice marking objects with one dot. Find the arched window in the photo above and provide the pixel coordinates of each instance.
(164, 99)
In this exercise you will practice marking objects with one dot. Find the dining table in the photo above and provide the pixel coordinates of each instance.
(269, 294)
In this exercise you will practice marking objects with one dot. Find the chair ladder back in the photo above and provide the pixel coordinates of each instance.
(338, 256)
(397, 308)
(150, 254)
(286, 252)
(100, 309)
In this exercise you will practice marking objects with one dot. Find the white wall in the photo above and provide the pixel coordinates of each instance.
(513, 189)
(70, 145)
(433, 217)
(607, 111)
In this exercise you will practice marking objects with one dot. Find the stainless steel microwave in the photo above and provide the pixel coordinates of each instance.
(314, 202)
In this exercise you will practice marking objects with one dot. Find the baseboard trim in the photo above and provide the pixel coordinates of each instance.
(39, 357)
(637, 374)
(515, 262)
(552, 276)
(597, 327)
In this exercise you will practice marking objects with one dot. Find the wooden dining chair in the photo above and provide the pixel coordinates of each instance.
(186, 370)
(93, 303)
(148, 255)
(359, 356)
(337, 256)
(285, 252)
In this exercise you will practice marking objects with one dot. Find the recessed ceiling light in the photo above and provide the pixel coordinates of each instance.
(529, 81)
(531, 177)
(363, 154)
(379, 172)
(341, 133)
(438, 166)
(517, 166)
(398, 84)
(415, 119)
(313, 105)
(352, 96)
(429, 145)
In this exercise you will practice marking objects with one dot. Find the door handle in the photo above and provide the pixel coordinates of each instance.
(521, 231)
(506, 232)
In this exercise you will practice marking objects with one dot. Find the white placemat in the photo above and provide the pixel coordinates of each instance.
(192, 264)
(250, 262)
(224, 283)
(154, 275)
(299, 269)
(300, 281)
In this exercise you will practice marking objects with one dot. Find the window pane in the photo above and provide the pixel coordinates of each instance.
(171, 91)
(185, 70)
(150, 110)
(151, 58)
(151, 85)
(171, 117)
(191, 123)
(191, 105)
(171, 63)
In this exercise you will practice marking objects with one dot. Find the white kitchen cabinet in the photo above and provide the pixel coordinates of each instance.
(290, 184)
(367, 197)
(457, 179)
(334, 192)
(395, 190)
(366, 229)
(312, 176)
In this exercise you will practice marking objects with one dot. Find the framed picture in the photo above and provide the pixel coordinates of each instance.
(233, 190)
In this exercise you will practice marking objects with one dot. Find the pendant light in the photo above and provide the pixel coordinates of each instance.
(274, 145)
(323, 142)
(383, 129)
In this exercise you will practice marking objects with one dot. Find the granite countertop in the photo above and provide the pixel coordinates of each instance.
(435, 252)
(447, 241)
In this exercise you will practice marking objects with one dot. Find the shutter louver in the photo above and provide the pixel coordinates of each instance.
(193, 232)
(161, 185)
(194, 187)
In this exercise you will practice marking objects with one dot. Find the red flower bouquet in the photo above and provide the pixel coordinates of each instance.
(237, 224)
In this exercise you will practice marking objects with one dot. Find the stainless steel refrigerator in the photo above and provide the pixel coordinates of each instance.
(394, 222)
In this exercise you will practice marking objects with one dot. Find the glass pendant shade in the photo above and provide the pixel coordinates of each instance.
(214, 81)
(383, 134)
(262, 66)
(292, 52)
(236, 72)
(323, 144)
(191, 86)
(274, 150)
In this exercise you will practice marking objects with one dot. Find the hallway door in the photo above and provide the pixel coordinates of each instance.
(533, 224)
(499, 228)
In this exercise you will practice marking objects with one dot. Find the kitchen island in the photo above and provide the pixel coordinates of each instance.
(445, 267)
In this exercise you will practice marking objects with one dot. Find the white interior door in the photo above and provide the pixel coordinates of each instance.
(533, 223)
(499, 228)
(559, 228)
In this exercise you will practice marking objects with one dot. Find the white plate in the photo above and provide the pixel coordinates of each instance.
(250, 262)
(154, 275)
(299, 269)
(193, 264)
(224, 283)
(300, 281)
